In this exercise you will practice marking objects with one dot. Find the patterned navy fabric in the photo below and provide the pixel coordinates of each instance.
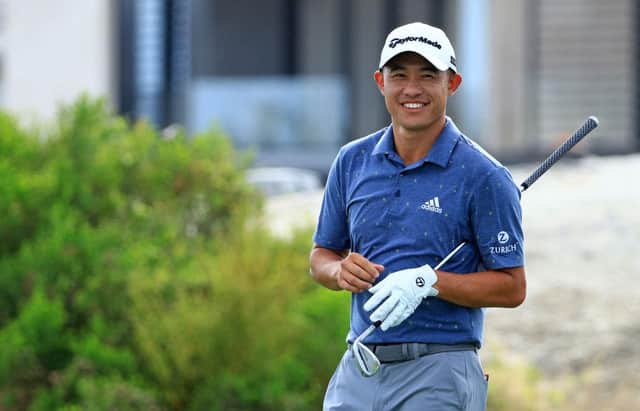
(407, 216)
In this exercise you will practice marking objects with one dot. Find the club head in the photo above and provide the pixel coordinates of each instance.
(367, 361)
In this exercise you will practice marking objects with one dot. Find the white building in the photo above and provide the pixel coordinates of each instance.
(54, 50)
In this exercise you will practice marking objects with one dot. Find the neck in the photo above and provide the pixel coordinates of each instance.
(413, 145)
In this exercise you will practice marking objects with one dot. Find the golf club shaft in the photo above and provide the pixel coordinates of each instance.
(588, 126)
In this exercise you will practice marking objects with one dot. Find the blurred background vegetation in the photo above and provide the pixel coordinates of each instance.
(136, 274)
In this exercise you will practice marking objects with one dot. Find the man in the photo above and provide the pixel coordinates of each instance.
(396, 203)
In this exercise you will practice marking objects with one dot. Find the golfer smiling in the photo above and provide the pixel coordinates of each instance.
(396, 202)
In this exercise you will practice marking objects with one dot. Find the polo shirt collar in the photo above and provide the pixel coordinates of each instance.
(440, 151)
(445, 143)
(385, 144)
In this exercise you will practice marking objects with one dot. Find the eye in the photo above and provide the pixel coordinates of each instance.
(397, 74)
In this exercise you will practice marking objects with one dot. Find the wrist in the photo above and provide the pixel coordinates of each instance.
(427, 279)
(429, 274)
(334, 276)
(435, 287)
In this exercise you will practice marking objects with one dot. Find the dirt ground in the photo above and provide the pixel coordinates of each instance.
(580, 323)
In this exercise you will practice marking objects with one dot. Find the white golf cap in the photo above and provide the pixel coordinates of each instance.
(428, 41)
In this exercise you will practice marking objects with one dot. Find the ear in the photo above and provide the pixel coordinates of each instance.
(455, 80)
(379, 78)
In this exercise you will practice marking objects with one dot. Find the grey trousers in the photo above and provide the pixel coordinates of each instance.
(438, 382)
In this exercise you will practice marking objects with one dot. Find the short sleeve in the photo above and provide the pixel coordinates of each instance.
(496, 218)
(332, 230)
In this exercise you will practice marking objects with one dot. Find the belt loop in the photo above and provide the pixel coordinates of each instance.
(422, 349)
(413, 351)
(405, 351)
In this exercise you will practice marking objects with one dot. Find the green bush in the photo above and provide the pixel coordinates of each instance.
(134, 275)
(242, 329)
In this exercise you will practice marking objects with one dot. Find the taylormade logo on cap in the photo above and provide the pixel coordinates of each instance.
(394, 42)
(428, 41)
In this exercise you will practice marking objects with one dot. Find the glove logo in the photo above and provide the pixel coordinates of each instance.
(420, 282)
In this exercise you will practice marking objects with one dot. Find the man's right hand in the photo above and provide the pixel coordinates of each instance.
(356, 274)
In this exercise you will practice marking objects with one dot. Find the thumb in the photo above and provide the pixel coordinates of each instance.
(379, 267)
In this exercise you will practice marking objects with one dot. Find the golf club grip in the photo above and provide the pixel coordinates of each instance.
(579, 134)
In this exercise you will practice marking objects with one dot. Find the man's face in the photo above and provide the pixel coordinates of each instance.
(415, 92)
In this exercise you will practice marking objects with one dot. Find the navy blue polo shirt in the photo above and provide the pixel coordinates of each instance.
(407, 216)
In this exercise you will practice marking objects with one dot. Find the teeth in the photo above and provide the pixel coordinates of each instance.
(413, 105)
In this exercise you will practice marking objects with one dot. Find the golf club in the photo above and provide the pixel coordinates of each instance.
(367, 361)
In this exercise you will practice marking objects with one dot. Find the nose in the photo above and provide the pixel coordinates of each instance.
(413, 87)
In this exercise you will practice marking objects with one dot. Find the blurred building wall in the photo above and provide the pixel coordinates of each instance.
(293, 78)
(508, 126)
(535, 70)
(587, 64)
(55, 50)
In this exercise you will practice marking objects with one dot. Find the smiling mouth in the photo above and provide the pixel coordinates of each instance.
(413, 105)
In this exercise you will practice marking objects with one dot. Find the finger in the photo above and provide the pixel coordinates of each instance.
(358, 284)
(395, 317)
(376, 288)
(382, 312)
(347, 287)
(379, 295)
(390, 321)
(352, 283)
(369, 271)
(357, 271)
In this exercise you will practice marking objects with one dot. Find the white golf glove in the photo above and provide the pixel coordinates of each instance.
(402, 292)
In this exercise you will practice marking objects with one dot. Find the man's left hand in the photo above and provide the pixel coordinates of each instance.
(402, 292)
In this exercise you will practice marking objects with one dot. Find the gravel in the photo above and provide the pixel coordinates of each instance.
(581, 318)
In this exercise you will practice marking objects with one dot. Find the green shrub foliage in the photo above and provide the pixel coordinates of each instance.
(134, 275)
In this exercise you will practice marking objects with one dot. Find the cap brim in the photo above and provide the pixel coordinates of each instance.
(437, 63)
